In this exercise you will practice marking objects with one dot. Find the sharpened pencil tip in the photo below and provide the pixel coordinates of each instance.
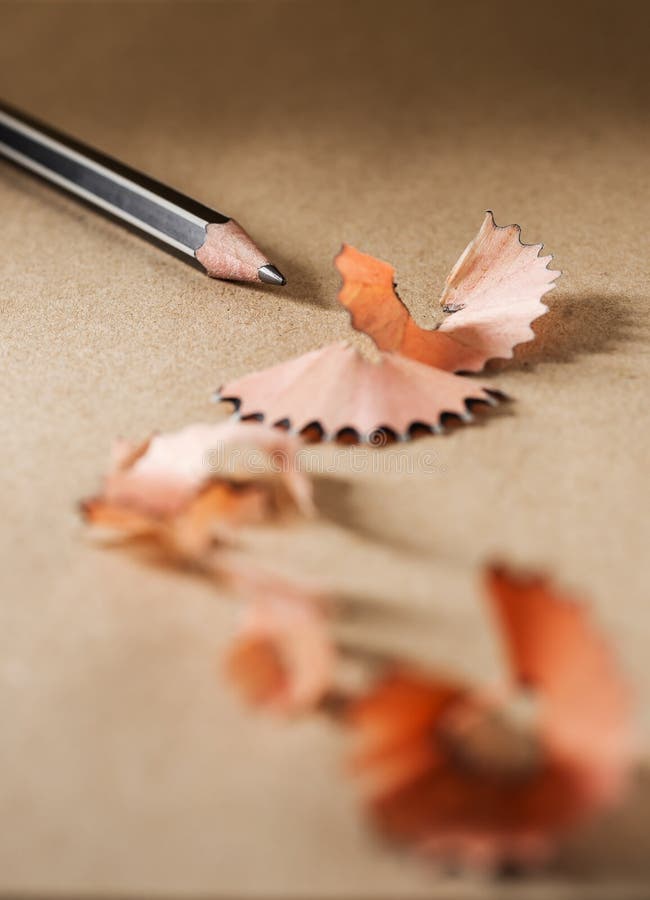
(270, 275)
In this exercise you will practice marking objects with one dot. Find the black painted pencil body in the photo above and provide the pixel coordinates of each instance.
(188, 228)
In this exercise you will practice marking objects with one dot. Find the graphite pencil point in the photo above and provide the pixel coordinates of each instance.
(270, 275)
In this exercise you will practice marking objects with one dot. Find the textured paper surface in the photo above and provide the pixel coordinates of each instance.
(126, 766)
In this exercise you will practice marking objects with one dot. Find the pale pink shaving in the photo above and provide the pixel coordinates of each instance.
(338, 388)
(496, 288)
(162, 475)
(287, 620)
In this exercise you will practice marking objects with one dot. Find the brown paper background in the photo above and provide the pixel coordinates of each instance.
(126, 767)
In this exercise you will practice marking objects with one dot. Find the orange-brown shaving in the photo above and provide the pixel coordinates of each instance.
(494, 292)
(448, 767)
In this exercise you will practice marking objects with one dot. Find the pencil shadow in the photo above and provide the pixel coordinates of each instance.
(573, 327)
(616, 848)
(16, 180)
(303, 285)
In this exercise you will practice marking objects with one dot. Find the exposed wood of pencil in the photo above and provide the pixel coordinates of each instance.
(184, 226)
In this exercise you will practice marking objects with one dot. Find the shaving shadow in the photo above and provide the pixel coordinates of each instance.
(367, 609)
(615, 849)
(576, 326)
(333, 499)
(147, 553)
(334, 494)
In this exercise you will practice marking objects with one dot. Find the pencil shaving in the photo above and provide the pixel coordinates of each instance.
(492, 296)
(339, 390)
(450, 769)
(282, 658)
(188, 488)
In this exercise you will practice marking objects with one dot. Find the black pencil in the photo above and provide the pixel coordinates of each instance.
(189, 229)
